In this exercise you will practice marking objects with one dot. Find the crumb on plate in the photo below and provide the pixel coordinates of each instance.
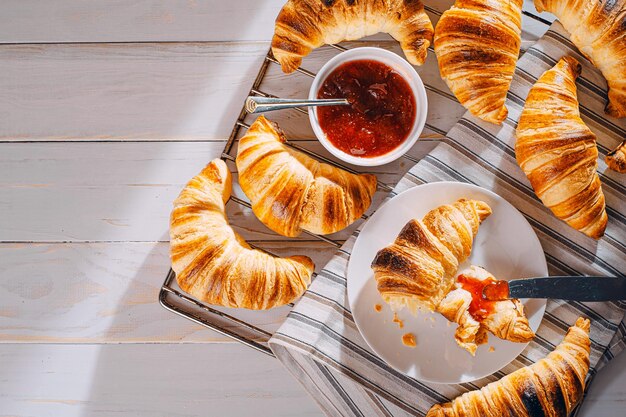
(408, 339)
(396, 319)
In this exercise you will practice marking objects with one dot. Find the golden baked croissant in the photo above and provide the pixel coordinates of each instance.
(476, 316)
(418, 269)
(616, 159)
(552, 386)
(303, 25)
(215, 264)
(290, 191)
(557, 151)
(477, 44)
(598, 29)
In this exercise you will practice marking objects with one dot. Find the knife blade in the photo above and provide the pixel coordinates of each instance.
(574, 288)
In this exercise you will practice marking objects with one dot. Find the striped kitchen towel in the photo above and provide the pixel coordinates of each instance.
(319, 342)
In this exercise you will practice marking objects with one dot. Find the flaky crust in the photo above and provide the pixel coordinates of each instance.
(507, 321)
(419, 268)
(558, 153)
(303, 25)
(291, 191)
(552, 386)
(214, 264)
(469, 333)
(598, 29)
(477, 43)
(616, 159)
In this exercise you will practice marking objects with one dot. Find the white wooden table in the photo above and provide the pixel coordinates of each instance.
(106, 109)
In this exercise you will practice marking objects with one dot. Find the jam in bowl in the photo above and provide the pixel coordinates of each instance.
(387, 108)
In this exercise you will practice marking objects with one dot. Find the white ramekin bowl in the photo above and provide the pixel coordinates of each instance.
(400, 65)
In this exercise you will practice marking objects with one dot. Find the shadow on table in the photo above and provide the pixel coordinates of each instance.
(179, 379)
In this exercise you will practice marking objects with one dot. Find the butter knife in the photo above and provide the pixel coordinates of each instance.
(576, 288)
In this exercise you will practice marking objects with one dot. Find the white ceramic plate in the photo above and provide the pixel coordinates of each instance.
(506, 246)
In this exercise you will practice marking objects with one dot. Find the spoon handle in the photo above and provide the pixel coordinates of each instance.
(256, 104)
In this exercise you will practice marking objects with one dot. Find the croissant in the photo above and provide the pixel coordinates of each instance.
(616, 159)
(552, 386)
(477, 43)
(598, 29)
(418, 269)
(475, 316)
(557, 151)
(290, 191)
(303, 25)
(214, 264)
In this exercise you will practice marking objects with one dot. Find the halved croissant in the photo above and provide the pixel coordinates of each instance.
(477, 43)
(598, 29)
(552, 386)
(215, 264)
(291, 191)
(303, 25)
(557, 151)
(505, 319)
(419, 268)
(616, 159)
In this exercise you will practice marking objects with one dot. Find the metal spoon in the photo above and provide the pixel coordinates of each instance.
(256, 104)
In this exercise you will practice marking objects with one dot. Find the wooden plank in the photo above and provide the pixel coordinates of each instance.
(32, 21)
(178, 380)
(120, 191)
(185, 380)
(180, 91)
(106, 293)
(137, 20)
(142, 92)
(94, 191)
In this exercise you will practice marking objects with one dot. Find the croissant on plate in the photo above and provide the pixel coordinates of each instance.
(557, 151)
(303, 25)
(552, 386)
(477, 43)
(476, 316)
(214, 264)
(616, 159)
(598, 29)
(418, 269)
(291, 191)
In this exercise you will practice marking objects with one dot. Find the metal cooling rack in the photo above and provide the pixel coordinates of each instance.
(175, 300)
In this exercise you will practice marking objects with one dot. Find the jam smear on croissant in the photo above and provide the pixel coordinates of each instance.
(480, 308)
